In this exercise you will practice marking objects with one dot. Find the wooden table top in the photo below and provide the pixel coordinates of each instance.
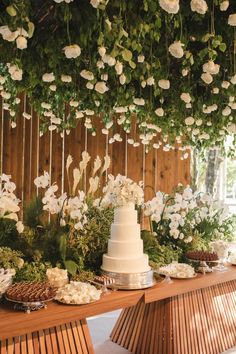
(14, 323)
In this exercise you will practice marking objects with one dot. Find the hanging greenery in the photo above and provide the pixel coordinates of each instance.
(170, 63)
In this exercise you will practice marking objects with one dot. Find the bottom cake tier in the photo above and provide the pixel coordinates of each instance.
(125, 265)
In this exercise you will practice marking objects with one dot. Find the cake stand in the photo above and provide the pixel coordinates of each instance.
(131, 281)
(28, 306)
(203, 266)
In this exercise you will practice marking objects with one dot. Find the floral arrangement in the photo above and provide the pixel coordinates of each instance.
(121, 191)
(185, 217)
(170, 63)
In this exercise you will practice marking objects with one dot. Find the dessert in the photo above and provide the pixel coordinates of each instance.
(125, 246)
(104, 280)
(57, 277)
(5, 279)
(78, 293)
(30, 292)
(177, 270)
(202, 256)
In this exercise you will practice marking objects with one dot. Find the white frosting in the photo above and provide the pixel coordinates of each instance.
(127, 249)
(125, 215)
(125, 265)
(125, 232)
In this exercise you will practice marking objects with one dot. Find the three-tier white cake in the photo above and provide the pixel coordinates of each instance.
(125, 246)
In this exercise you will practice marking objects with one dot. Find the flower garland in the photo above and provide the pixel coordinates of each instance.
(156, 60)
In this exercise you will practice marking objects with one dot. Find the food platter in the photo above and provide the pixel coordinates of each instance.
(73, 304)
(175, 276)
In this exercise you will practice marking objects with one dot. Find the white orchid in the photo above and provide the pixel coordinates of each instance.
(42, 181)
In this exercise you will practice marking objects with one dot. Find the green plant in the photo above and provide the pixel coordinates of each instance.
(33, 271)
(10, 258)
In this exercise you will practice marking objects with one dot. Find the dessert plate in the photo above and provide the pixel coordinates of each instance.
(29, 306)
(78, 304)
(175, 276)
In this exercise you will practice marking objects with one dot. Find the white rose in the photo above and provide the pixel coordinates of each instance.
(232, 20)
(164, 84)
(226, 111)
(199, 122)
(122, 79)
(5, 95)
(141, 58)
(189, 121)
(185, 72)
(232, 128)
(215, 90)
(176, 49)
(100, 64)
(150, 81)
(232, 105)
(159, 112)
(102, 51)
(225, 84)
(224, 5)
(139, 101)
(170, 6)
(72, 51)
(15, 72)
(53, 88)
(48, 77)
(74, 103)
(89, 86)
(199, 6)
(19, 227)
(207, 78)
(7, 34)
(185, 96)
(87, 75)
(66, 78)
(211, 68)
(101, 87)
(119, 67)
(21, 42)
(233, 80)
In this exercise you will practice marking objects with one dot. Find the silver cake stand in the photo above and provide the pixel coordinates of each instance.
(131, 281)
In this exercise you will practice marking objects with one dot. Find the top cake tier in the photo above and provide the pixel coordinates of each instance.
(125, 215)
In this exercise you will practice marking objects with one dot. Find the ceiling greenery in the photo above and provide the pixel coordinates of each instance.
(171, 63)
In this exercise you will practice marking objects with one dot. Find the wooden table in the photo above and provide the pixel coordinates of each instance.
(195, 316)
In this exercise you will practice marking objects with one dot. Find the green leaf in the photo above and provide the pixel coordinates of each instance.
(63, 246)
(11, 11)
(127, 55)
(71, 267)
(222, 47)
(132, 64)
(31, 29)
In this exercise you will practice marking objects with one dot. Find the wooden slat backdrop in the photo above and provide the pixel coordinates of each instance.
(25, 155)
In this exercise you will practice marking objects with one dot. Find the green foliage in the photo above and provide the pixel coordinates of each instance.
(84, 276)
(33, 271)
(10, 258)
(33, 212)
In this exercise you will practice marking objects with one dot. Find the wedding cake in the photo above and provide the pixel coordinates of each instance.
(125, 247)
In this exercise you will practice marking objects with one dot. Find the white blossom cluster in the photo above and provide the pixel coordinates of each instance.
(121, 190)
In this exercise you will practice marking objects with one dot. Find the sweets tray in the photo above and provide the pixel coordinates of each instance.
(131, 281)
(29, 306)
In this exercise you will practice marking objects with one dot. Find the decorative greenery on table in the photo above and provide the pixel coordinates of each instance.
(170, 62)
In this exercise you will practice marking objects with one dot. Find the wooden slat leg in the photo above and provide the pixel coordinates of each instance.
(10, 346)
(60, 340)
(30, 343)
(54, 341)
(23, 344)
(87, 336)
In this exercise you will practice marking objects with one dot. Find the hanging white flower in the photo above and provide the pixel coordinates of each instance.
(7, 34)
(164, 84)
(215, 90)
(185, 96)
(139, 101)
(232, 128)
(26, 115)
(102, 51)
(45, 105)
(232, 20)
(225, 84)
(53, 88)
(72, 51)
(101, 87)
(150, 81)
(104, 77)
(21, 42)
(185, 72)
(95, 3)
(74, 103)
(211, 67)
(189, 121)
(119, 67)
(159, 112)
(226, 111)
(224, 5)
(48, 77)
(176, 49)
(89, 85)
(66, 78)
(141, 58)
(121, 109)
(87, 75)
(199, 6)
(233, 80)
(170, 6)
(122, 79)
(207, 78)
(15, 72)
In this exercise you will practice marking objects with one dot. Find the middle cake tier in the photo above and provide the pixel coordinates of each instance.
(125, 249)
(125, 232)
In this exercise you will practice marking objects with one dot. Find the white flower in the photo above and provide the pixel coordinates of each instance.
(141, 58)
(74, 103)
(72, 51)
(119, 67)
(164, 84)
(185, 72)
(150, 81)
(232, 128)
(120, 109)
(102, 51)
(26, 115)
(170, 6)
(104, 77)
(122, 79)
(207, 78)
(107, 162)
(232, 20)
(159, 112)
(21, 42)
(176, 49)
(185, 96)
(69, 161)
(15, 72)
(45, 105)
(5, 95)
(233, 80)
(215, 90)
(189, 121)
(53, 88)
(19, 227)
(139, 101)
(108, 59)
(89, 85)
(7, 34)
(48, 77)
(84, 162)
(101, 87)
(66, 78)
(93, 185)
(2, 80)
(226, 111)
(199, 6)
(211, 67)
(95, 3)
(87, 75)
(225, 84)
(42, 181)
(224, 5)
